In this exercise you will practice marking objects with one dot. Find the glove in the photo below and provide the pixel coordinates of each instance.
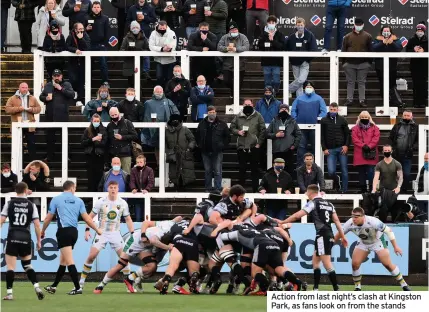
(366, 148)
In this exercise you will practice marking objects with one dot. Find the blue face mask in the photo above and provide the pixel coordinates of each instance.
(96, 124)
(426, 165)
(279, 168)
(333, 115)
(116, 168)
(201, 87)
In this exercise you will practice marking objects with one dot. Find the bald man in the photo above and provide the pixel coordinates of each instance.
(116, 173)
(121, 133)
(201, 98)
(23, 106)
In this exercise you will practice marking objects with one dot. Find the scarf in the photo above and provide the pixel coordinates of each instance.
(364, 127)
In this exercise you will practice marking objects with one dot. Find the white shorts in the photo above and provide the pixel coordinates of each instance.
(377, 246)
(133, 247)
(113, 238)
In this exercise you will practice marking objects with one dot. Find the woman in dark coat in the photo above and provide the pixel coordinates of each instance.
(54, 42)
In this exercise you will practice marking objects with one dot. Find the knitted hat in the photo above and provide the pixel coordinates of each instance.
(421, 26)
(284, 106)
(232, 25)
(175, 117)
(53, 25)
(135, 24)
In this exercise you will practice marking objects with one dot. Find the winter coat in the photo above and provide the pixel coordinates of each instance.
(73, 44)
(220, 135)
(195, 43)
(91, 109)
(125, 177)
(8, 184)
(292, 134)
(42, 22)
(99, 34)
(339, 3)
(241, 43)
(121, 148)
(149, 17)
(133, 111)
(357, 42)
(413, 138)
(140, 44)
(379, 46)
(195, 19)
(254, 135)
(171, 17)
(306, 109)
(14, 104)
(270, 182)
(163, 109)
(57, 109)
(97, 147)
(305, 178)
(277, 44)
(181, 97)
(335, 132)
(157, 43)
(420, 63)
(142, 179)
(180, 141)
(421, 179)
(361, 137)
(306, 43)
(259, 4)
(27, 12)
(217, 21)
(200, 97)
(54, 46)
(269, 109)
(79, 16)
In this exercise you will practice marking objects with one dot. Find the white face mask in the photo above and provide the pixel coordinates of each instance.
(6, 174)
(135, 31)
(130, 98)
(420, 34)
(79, 35)
(358, 28)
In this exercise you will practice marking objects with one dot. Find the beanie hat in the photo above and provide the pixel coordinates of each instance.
(421, 26)
(134, 24)
(232, 25)
(284, 106)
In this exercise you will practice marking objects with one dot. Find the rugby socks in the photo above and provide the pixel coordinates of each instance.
(105, 281)
(60, 273)
(132, 276)
(10, 277)
(333, 278)
(357, 277)
(182, 281)
(85, 272)
(291, 277)
(74, 276)
(31, 274)
(215, 273)
(126, 270)
(398, 277)
(262, 281)
(317, 274)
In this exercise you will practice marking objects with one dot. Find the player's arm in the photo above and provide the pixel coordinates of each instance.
(92, 214)
(223, 225)
(155, 241)
(36, 223)
(215, 218)
(284, 234)
(375, 180)
(340, 230)
(196, 220)
(177, 219)
(91, 223)
(388, 231)
(2, 220)
(247, 213)
(46, 222)
(147, 224)
(130, 224)
(4, 213)
(295, 217)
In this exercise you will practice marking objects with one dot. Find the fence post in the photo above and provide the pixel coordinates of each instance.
(303, 203)
(423, 143)
(147, 208)
(318, 155)
(237, 86)
(137, 77)
(386, 84)
(286, 80)
(269, 153)
(64, 152)
(87, 79)
(334, 78)
(17, 150)
(162, 163)
(185, 64)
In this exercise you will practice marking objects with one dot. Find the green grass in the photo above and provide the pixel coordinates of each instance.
(115, 298)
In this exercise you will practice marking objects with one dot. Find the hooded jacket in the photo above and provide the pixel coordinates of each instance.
(57, 109)
(305, 178)
(157, 43)
(269, 109)
(292, 134)
(277, 44)
(97, 147)
(241, 43)
(42, 22)
(403, 148)
(256, 131)
(91, 109)
(54, 46)
(14, 104)
(220, 135)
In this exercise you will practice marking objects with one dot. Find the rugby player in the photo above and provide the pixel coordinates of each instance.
(109, 209)
(370, 231)
(21, 212)
(323, 213)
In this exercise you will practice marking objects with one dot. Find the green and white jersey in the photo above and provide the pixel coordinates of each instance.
(369, 232)
(110, 213)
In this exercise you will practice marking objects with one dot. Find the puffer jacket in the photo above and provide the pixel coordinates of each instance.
(399, 153)
(42, 22)
(335, 132)
(90, 146)
(158, 41)
(254, 135)
(217, 21)
(140, 44)
(292, 134)
(240, 42)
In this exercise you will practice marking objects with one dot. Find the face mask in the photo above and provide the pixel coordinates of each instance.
(309, 91)
(201, 87)
(234, 35)
(54, 32)
(364, 121)
(358, 28)
(247, 110)
(387, 154)
(130, 98)
(426, 165)
(116, 168)
(115, 119)
(407, 120)
(162, 32)
(79, 35)
(271, 26)
(103, 95)
(139, 168)
(386, 34)
(300, 28)
(283, 115)
(7, 174)
(268, 96)
(419, 34)
(175, 123)
(158, 96)
(177, 75)
(95, 124)
(279, 168)
(333, 115)
(205, 32)
(211, 117)
(135, 31)
(141, 4)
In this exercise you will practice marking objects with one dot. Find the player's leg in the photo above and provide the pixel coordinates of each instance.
(31, 274)
(117, 243)
(10, 275)
(246, 264)
(327, 264)
(122, 263)
(194, 274)
(87, 266)
(359, 256)
(317, 273)
(258, 279)
(176, 258)
(384, 256)
(324, 246)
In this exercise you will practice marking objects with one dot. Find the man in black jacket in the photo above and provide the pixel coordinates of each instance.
(98, 30)
(203, 40)
(36, 175)
(276, 181)
(178, 90)
(404, 137)
(212, 137)
(8, 179)
(5, 5)
(121, 133)
(77, 13)
(310, 173)
(335, 145)
(132, 108)
(57, 95)
(193, 13)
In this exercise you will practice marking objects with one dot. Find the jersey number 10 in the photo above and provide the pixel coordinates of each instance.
(20, 219)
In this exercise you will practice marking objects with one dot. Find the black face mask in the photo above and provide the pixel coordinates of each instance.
(54, 32)
(283, 115)
(162, 32)
(364, 121)
(205, 32)
(139, 168)
(247, 110)
(387, 154)
(115, 119)
(175, 123)
(407, 120)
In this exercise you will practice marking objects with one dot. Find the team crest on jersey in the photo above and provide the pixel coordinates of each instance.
(118, 207)
(111, 215)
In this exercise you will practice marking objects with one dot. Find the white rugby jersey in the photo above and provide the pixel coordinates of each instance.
(110, 213)
(369, 232)
(163, 226)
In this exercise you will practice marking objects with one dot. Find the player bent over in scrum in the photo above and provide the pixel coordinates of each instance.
(110, 209)
(370, 231)
(21, 212)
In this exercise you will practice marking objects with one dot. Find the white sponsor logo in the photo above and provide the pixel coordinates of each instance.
(425, 248)
(397, 20)
(368, 1)
(273, 247)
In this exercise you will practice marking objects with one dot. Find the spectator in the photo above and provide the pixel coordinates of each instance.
(231, 43)
(249, 126)
(156, 6)
(285, 133)
(216, 17)
(301, 40)
(122, 7)
(310, 173)
(76, 42)
(8, 179)
(268, 106)
(272, 40)
(179, 143)
(48, 13)
(419, 66)
(404, 138)
(135, 40)
(25, 17)
(203, 40)
(144, 14)
(22, 106)
(201, 98)
(171, 12)
(305, 110)
(57, 96)
(386, 42)
(193, 13)
(257, 10)
(132, 108)
(158, 109)
(178, 90)
(115, 174)
(98, 29)
(94, 140)
(142, 180)
(101, 105)
(77, 11)
(335, 145)
(365, 137)
(237, 13)
(54, 42)
(388, 172)
(212, 137)
(5, 5)
(356, 69)
(36, 175)
(121, 133)
(163, 39)
(422, 183)
(276, 181)
(335, 10)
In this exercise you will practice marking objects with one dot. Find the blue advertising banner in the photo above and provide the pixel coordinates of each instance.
(47, 258)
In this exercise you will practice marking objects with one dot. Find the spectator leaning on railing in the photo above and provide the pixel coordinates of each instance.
(48, 13)
(201, 98)
(310, 173)
(77, 11)
(132, 108)
(115, 174)
(101, 105)
(178, 90)
(53, 42)
(8, 179)
(36, 175)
